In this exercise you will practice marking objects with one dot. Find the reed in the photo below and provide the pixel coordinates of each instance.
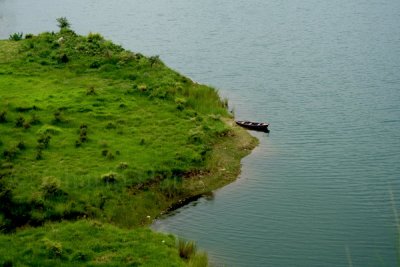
(187, 249)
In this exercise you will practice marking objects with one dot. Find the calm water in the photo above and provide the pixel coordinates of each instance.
(326, 74)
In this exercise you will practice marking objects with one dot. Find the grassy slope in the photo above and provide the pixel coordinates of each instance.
(105, 110)
(98, 244)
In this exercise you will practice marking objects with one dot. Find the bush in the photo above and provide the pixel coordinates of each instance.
(16, 36)
(39, 154)
(20, 121)
(26, 125)
(21, 145)
(91, 91)
(51, 186)
(3, 116)
(110, 177)
(104, 152)
(186, 249)
(35, 120)
(154, 60)
(10, 153)
(111, 125)
(57, 116)
(53, 248)
(122, 165)
(78, 143)
(180, 103)
(110, 155)
(63, 23)
(63, 58)
(83, 133)
(95, 64)
(94, 37)
(171, 188)
(43, 141)
(28, 36)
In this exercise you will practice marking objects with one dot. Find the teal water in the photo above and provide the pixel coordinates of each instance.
(325, 74)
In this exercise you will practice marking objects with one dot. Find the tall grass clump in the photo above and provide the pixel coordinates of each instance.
(172, 187)
(17, 36)
(199, 260)
(187, 249)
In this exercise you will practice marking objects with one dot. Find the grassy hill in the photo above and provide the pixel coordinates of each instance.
(90, 131)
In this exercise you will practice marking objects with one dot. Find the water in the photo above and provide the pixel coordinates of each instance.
(326, 74)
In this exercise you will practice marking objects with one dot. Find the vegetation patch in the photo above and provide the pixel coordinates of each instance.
(91, 130)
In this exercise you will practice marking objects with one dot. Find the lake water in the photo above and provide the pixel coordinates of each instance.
(325, 74)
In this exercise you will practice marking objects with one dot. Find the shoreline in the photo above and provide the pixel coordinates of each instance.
(86, 159)
(243, 144)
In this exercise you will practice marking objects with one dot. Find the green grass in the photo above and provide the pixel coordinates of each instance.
(90, 130)
(88, 243)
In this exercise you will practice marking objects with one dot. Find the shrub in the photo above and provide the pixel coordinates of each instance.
(26, 125)
(53, 248)
(180, 103)
(122, 165)
(196, 137)
(51, 186)
(16, 36)
(11, 153)
(63, 23)
(21, 145)
(3, 116)
(110, 155)
(91, 91)
(94, 37)
(28, 36)
(80, 256)
(171, 188)
(110, 125)
(7, 263)
(6, 165)
(44, 141)
(154, 60)
(78, 143)
(35, 120)
(110, 177)
(186, 249)
(20, 121)
(39, 154)
(104, 152)
(83, 133)
(63, 58)
(95, 64)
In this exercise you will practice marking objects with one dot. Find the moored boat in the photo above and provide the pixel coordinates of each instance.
(257, 126)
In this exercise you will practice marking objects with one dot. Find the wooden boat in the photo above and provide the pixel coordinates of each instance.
(257, 126)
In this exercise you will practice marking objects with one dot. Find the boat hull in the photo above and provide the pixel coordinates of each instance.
(255, 126)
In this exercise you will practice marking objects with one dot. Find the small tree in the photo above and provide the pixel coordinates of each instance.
(63, 23)
(154, 59)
